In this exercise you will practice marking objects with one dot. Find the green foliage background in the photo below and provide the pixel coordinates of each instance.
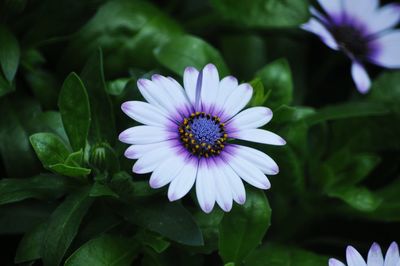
(68, 196)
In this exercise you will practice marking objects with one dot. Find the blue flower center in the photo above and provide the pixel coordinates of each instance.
(351, 39)
(203, 135)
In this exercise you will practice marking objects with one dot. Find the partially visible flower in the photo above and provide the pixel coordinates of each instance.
(362, 30)
(375, 257)
(187, 133)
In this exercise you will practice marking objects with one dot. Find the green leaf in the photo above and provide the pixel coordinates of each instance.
(101, 190)
(188, 50)
(263, 13)
(259, 95)
(49, 148)
(242, 230)
(9, 53)
(29, 247)
(357, 197)
(38, 187)
(171, 220)
(105, 251)
(102, 126)
(347, 110)
(44, 86)
(127, 31)
(277, 255)
(277, 78)
(74, 107)
(386, 89)
(63, 226)
(14, 136)
(72, 171)
(157, 243)
(128, 189)
(5, 86)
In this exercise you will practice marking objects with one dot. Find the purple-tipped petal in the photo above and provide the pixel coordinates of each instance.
(259, 136)
(354, 258)
(335, 262)
(205, 187)
(331, 6)
(388, 50)
(190, 77)
(250, 118)
(314, 26)
(318, 14)
(361, 10)
(360, 77)
(184, 181)
(392, 255)
(209, 87)
(375, 257)
(384, 18)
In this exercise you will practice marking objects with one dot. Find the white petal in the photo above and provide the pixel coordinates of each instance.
(190, 83)
(150, 160)
(234, 181)
(392, 255)
(384, 18)
(145, 113)
(360, 77)
(167, 170)
(137, 151)
(176, 93)
(226, 86)
(314, 26)
(331, 6)
(184, 181)
(209, 87)
(145, 135)
(354, 258)
(250, 118)
(236, 101)
(261, 160)
(318, 14)
(375, 257)
(205, 187)
(362, 10)
(387, 50)
(335, 262)
(222, 187)
(247, 171)
(258, 135)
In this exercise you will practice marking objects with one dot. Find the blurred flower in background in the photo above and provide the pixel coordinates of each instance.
(362, 30)
(375, 257)
(187, 133)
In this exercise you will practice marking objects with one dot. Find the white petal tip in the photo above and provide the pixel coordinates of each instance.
(281, 142)
(351, 251)
(210, 67)
(335, 262)
(172, 197)
(207, 208)
(226, 207)
(136, 169)
(375, 247)
(123, 137)
(130, 154)
(242, 200)
(393, 247)
(154, 184)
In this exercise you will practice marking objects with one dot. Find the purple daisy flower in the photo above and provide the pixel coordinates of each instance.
(187, 133)
(362, 30)
(375, 257)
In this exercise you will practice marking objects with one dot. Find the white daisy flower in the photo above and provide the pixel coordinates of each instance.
(375, 257)
(361, 29)
(187, 133)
